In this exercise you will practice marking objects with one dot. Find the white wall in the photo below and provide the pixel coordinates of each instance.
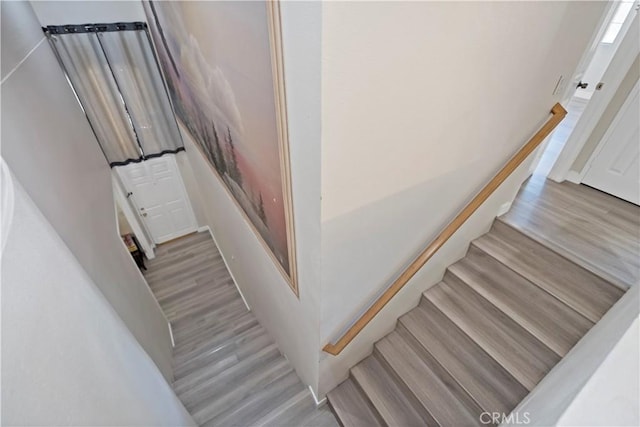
(47, 142)
(597, 382)
(88, 11)
(421, 104)
(67, 357)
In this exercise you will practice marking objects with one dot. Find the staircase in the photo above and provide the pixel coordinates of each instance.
(227, 370)
(480, 340)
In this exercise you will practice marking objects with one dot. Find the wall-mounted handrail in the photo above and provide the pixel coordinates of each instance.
(558, 113)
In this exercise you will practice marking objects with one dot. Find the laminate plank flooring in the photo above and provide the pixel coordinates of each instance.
(517, 350)
(552, 322)
(503, 316)
(591, 228)
(227, 370)
(448, 405)
(484, 379)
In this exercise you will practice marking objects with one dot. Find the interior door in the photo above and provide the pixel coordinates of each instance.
(615, 166)
(160, 197)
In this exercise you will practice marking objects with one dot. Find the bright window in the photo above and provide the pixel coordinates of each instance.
(616, 23)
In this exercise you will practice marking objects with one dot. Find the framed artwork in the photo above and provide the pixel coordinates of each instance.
(230, 97)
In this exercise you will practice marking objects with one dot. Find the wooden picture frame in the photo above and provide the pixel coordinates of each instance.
(279, 95)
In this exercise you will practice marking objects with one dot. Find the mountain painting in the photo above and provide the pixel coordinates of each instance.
(224, 97)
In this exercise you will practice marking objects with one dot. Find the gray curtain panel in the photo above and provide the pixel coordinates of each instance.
(118, 83)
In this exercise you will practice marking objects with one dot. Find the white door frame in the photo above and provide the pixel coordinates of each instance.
(610, 129)
(617, 70)
(131, 215)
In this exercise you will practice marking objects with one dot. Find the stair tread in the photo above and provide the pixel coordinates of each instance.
(442, 401)
(486, 381)
(549, 319)
(193, 310)
(287, 413)
(239, 347)
(211, 323)
(588, 294)
(225, 329)
(259, 400)
(352, 407)
(385, 394)
(519, 352)
(242, 390)
(221, 384)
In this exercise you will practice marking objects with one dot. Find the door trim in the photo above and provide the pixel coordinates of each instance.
(615, 73)
(137, 226)
(623, 108)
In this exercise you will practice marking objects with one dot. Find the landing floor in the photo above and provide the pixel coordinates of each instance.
(596, 230)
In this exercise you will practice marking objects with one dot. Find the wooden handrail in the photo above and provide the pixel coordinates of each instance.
(558, 113)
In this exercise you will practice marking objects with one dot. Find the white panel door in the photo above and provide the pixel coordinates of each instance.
(160, 197)
(615, 167)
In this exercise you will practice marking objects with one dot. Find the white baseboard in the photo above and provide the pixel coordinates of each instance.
(573, 176)
(315, 398)
(504, 208)
(235, 282)
(173, 343)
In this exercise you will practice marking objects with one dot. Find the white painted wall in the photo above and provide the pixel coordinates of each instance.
(87, 11)
(67, 357)
(292, 322)
(422, 102)
(597, 382)
(47, 142)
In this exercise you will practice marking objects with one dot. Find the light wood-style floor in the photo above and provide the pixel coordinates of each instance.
(228, 371)
(503, 316)
(593, 229)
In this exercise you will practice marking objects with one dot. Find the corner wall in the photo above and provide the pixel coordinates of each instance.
(422, 103)
(47, 142)
(67, 357)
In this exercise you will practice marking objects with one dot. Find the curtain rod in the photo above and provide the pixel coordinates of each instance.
(94, 28)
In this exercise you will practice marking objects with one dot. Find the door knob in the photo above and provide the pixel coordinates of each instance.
(582, 85)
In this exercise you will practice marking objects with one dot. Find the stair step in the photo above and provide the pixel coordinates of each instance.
(588, 294)
(519, 352)
(320, 417)
(204, 295)
(425, 379)
(242, 390)
(226, 328)
(221, 384)
(191, 310)
(352, 407)
(484, 379)
(387, 396)
(258, 401)
(550, 320)
(207, 363)
(216, 319)
(286, 414)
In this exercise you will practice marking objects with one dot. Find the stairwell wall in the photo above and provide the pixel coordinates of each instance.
(422, 103)
(49, 145)
(67, 356)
